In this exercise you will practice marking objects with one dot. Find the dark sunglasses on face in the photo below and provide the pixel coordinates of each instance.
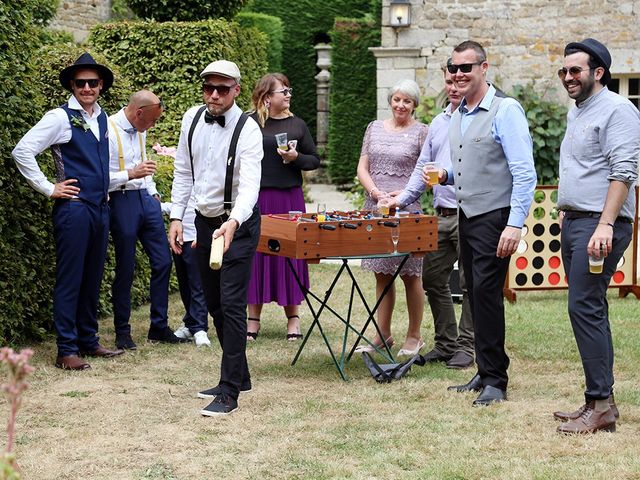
(284, 91)
(221, 89)
(80, 82)
(573, 71)
(463, 67)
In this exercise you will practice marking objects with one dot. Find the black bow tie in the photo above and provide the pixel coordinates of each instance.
(219, 119)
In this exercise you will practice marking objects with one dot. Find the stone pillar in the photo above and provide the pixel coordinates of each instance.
(323, 78)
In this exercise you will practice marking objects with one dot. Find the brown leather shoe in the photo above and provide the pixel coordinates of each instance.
(567, 416)
(102, 352)
(71, 362)
(590, 421)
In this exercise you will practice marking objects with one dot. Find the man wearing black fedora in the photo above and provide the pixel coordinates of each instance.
(599, 155)
(76, 132)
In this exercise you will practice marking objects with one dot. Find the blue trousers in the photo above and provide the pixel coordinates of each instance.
(81, 233)
(136, 215)
(196, 316)
(588, 307)
(225, 291)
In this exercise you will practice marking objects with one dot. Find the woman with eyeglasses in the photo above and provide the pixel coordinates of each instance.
(390, 151)
(280, 192)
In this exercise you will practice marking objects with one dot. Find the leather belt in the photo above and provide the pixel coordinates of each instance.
(446, 212)
(581, 214)
(213, 221)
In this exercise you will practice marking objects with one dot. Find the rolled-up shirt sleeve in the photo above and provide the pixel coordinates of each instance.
(249, 154)
(621, 144)
(52, 129)
(182, 176)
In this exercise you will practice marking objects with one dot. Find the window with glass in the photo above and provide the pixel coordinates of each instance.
(627, 86)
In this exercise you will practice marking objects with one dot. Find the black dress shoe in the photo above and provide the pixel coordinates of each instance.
(460, 360)
(436, 356)
(165, 335)
(125, 342)
(474, 385)
(490, 395)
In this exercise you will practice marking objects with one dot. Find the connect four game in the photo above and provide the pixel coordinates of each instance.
(537, 263)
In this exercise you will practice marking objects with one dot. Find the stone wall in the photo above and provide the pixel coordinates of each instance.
(524, 40)
(78, 16)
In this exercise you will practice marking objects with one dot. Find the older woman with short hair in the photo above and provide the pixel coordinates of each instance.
(390, 151)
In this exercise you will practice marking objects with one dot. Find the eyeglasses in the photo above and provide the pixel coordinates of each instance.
(284, 91)
(463, 67)
(221, 89)
(573, 71)
(161, 105)
(81, 82)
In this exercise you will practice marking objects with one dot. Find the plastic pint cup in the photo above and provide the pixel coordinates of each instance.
(596, 264)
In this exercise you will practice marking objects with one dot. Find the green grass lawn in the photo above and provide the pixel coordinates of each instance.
(137, 416)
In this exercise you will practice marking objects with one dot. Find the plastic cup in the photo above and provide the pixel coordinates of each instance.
(432, 170)
(596, 264)
(281, 140)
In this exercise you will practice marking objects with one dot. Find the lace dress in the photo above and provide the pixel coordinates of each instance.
(392, 158)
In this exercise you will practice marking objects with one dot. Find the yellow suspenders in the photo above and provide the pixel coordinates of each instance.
(143, 153)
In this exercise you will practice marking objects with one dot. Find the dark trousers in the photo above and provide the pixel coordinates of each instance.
(190, 286)
(136, 215)
(588, 307)
(485, 275)
(436, 271)
(81, 231)
(225, 292)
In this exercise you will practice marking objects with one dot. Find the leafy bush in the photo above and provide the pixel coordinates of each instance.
(547, 124)
(168, 58)
(353, 94)
(43, 11)
(185, 10)
(272, 28)
(307, 23)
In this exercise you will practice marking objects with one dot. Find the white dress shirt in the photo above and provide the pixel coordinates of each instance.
(210, 145)
(54, 128)
(188, 221)
(131, 154)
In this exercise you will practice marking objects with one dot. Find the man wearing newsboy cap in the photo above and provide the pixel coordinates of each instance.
(596, 197)
(225, 178)
(77, 135)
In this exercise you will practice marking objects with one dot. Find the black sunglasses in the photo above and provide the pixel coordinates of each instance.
(161, 105)
(573, 71)
(463, 67)
(285, 91)
(80, 82)
(221, 89)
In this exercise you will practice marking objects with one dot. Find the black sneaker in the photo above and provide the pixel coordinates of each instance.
(125, 342)
(212, 392)
(222, 404)
(165, 335)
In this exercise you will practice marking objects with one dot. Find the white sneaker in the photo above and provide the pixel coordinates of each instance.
(201, 338)
(183, 333)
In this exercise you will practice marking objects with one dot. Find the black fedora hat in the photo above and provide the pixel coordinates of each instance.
(599, 53)
(86, 61)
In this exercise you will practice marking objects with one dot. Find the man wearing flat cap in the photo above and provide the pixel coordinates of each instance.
(76, 132)
(596, 197)
(219, 158)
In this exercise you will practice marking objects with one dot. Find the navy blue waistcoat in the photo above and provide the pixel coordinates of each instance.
(86, 159)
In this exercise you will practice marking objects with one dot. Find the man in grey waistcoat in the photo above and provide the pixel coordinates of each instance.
(494, 179)
(599, 157)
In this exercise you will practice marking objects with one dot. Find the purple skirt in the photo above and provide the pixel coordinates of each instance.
(271, 277)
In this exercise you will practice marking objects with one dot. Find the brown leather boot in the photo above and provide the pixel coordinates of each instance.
(71, 362)
(590, 421)
(567, 416)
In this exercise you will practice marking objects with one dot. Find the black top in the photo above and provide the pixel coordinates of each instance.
(275, 173)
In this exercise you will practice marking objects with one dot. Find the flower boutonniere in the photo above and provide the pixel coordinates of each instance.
(79, 122)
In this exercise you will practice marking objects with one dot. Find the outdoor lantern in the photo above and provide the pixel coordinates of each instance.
(400, 13)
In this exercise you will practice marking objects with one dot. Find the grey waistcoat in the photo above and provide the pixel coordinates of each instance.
(482, 180)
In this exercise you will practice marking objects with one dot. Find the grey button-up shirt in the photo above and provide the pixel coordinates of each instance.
(602, 143)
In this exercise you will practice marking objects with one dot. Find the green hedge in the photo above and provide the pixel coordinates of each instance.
(185, 10)
(353, 94)
(272, 28)
(306, 23)
(168, 58)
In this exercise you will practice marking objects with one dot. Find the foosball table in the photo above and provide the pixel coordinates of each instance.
(343, 236)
